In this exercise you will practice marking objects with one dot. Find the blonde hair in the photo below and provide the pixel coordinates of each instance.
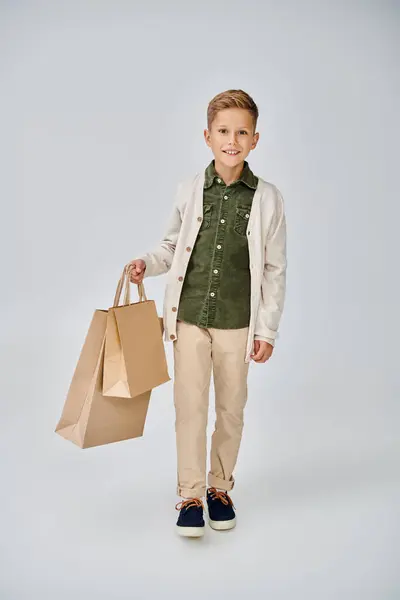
(231, 99)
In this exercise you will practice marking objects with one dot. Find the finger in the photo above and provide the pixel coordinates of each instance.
(262, 355)
(258, 355)
(131, 270)
(261, 360)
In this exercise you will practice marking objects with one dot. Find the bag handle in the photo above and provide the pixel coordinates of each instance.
(126, 279)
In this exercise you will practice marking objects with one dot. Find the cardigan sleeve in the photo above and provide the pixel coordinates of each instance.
(159, 260)
(273, 283)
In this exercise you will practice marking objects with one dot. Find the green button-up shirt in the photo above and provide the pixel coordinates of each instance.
(216, 289)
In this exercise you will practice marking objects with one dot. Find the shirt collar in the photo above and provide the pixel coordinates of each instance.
(247, 176)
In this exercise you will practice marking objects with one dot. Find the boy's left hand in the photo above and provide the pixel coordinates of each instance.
(262, 351)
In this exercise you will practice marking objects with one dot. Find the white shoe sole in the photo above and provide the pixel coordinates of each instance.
(222, 525)
(194, 532)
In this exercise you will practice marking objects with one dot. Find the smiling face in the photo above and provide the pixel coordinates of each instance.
(231, 136)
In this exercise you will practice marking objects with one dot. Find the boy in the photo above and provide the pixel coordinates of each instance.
(225, 250)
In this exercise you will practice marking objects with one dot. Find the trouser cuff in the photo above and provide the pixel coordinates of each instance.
(198, 492)
(222, 484)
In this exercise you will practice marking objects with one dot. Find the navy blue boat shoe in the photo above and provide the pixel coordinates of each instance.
(190, 521)
(220, 510)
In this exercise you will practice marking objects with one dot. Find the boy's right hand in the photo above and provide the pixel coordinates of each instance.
(138, 267)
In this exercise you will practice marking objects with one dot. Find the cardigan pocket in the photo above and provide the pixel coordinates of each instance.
(241, 219)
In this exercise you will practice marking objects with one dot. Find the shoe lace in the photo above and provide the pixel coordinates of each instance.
(223, 496)
(188, 503)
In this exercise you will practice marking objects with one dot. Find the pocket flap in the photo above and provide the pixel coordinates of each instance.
(243, 211)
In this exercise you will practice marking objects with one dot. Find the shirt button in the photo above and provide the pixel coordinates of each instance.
(247, 216)
(215, 270)
(199, 219)
(225, 197)
(222, 220)
(219, 181)
(219, 246)
(180, 278)
(212, 294)
(188, 249)
(174, 309)
(172, 337)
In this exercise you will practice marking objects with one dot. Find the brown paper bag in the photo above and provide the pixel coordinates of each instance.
(134, 359)
(88, 418)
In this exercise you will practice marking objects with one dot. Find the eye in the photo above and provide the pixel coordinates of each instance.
(243, 131)
(222, 130)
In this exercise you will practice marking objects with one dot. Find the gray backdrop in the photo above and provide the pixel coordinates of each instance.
(103, 107)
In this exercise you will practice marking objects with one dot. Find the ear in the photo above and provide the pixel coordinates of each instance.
(256, 137)
(207, 137)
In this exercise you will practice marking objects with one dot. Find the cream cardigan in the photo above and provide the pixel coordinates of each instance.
(266, 231)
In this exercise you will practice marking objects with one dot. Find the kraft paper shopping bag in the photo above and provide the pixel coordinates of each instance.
(135, 359)
(89, 418)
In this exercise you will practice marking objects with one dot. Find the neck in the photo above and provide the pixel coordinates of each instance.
(228, 174)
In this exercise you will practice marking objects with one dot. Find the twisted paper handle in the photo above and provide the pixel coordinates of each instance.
(126, 279)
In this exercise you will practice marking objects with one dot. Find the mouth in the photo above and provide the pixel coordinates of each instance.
(231, 152)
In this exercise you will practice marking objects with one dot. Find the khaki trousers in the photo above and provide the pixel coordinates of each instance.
(197, 352)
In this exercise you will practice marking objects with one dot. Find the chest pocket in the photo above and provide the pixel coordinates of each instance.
(241, 219)
(207, 214)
